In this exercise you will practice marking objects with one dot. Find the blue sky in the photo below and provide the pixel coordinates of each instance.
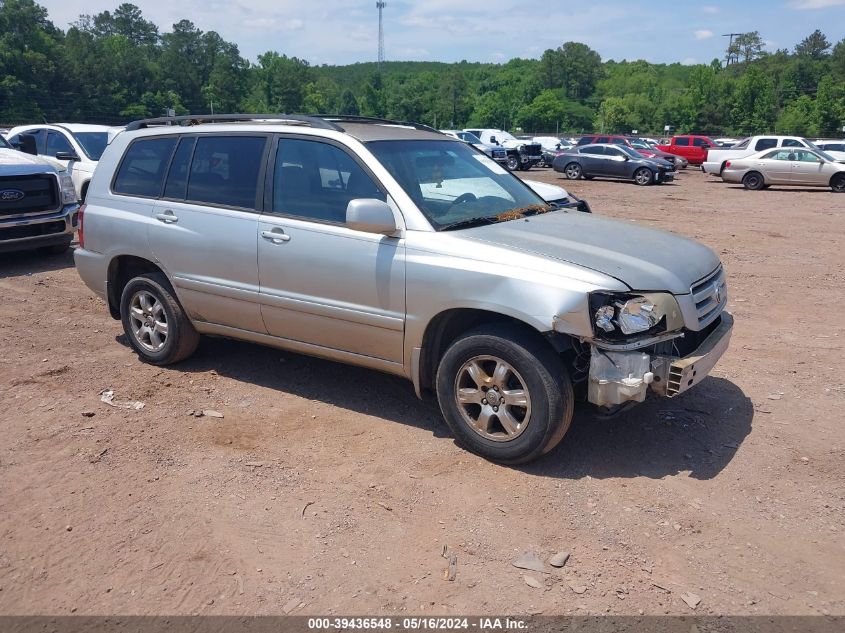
(345, 31)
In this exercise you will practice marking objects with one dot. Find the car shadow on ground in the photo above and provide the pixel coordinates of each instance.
(25, 262)
(699, 431)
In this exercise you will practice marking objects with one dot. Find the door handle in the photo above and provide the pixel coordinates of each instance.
(277, 236)
(167, 217)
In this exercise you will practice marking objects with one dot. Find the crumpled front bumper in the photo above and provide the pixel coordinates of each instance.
(618, 377)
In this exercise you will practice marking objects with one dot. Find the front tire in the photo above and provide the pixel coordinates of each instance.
(513, 163)
(505, 395)
(573, 171)
(643, 176)
(753, 181)
(155, 324)
(837, 183)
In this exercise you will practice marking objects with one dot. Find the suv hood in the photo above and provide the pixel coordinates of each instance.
(642, 258)
(14, 162)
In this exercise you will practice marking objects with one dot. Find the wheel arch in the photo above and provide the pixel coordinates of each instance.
(121, 269)
(446, 326)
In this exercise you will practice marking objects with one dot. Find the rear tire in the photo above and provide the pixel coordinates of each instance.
(154, 322)
(753, 181)
(643, 176)
(573, 171)
(505, 394)
(837, 183)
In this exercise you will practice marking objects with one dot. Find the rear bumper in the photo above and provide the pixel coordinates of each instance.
(712, 168)
(618, 378)
(49, 229)
(93, 269)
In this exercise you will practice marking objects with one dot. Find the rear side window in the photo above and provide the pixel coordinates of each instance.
(594, 150)
(682, 142)
(765, 143)
(141, 171)
(225, 170)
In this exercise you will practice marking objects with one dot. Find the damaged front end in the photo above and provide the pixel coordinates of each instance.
(619, 375)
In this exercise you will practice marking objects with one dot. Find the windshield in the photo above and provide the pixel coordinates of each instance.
(453, 183)
(93, 143)
(640, 145)
(4, 143)
(825, 155)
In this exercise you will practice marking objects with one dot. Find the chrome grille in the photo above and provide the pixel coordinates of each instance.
(710, 296)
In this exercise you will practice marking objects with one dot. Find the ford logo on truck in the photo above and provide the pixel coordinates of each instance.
(11, 195)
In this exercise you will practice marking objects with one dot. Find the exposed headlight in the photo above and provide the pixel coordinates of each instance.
(637, 315)
(624, 314)
(68, 190)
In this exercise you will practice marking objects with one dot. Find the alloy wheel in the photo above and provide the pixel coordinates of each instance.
(492, 398)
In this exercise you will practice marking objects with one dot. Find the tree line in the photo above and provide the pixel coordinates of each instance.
(116, 66)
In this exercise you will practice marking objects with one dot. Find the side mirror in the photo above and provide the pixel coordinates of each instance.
(370, 216)
(493, 140)
(26, 144)
(66, 156)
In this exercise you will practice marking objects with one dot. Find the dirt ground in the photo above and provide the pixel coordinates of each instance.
(327, 489)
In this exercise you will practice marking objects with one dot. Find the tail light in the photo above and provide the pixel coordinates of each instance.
(81, 229)
(727, 165)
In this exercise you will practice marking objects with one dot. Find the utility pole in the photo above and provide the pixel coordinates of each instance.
(380, 6)
(730, 47)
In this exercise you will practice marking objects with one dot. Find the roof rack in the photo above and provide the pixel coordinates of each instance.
(354, 118)
(197, 119)
(320, 121)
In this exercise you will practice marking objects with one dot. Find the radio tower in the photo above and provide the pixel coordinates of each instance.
(380, 7)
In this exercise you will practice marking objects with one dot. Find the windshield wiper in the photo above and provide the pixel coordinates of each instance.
(469, 222)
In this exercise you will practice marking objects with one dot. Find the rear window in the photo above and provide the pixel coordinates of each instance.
(141, 171)
(225, 169)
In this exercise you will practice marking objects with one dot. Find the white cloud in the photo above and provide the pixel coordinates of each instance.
(709, 8)
(703, 34)
(689, 61)
(816, 4)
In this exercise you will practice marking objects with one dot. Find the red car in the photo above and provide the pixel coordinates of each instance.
(693, 147)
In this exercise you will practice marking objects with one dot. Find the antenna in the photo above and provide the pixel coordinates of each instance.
(380, 6)
(730, 46)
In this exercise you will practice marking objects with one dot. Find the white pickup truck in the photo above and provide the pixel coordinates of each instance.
(716, 158)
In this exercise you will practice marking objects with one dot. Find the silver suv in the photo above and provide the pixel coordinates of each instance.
(398, 248)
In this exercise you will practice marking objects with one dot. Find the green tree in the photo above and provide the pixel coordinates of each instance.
(815, 45)
(754, 103)
(29, 46)
(348, 104)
